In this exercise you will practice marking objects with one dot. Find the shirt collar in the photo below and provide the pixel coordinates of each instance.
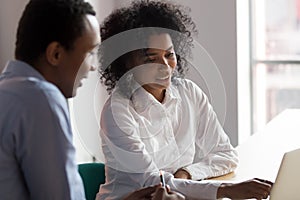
(142, 99)
(171, 94)
(18, 68)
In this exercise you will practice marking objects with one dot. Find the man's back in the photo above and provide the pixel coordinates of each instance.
(34, 126)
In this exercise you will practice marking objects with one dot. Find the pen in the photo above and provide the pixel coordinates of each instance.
(162, 178)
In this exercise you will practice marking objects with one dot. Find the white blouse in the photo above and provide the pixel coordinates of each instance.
(141, 136)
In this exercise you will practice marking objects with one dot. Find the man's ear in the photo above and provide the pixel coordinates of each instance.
(54, 53)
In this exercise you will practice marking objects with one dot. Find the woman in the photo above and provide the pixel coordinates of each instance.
(155, 119)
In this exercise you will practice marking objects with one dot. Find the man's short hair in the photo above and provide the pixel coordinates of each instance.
(45, 21)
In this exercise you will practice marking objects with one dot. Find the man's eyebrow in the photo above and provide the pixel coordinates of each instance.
(95, 46)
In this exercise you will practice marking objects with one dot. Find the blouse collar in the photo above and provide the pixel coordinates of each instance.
(142, 99)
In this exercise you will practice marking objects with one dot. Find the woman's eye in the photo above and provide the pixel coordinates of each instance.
(150, 59)
(170, 55)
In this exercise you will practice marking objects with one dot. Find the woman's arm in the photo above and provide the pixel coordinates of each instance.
(214, 155)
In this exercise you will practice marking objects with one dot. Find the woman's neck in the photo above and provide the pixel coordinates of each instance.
(159, 95)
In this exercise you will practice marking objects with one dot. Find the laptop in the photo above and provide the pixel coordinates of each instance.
(286, 186)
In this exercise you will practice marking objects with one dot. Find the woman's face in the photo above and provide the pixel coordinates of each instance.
(153, 69)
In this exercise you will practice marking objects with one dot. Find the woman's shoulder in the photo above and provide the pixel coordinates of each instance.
(189, 90)
(116, 99)
(186, 85)
(117, 104)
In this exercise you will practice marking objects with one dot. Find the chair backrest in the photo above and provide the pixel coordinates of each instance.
(93, 175)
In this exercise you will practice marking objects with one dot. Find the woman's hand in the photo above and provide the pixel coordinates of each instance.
(181, 173)
(165, 194)
(254, 188)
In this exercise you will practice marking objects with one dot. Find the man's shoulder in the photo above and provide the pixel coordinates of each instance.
(29, 91)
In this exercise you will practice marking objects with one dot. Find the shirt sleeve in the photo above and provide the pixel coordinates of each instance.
(45, 151)
(129, 161)
(214, 155)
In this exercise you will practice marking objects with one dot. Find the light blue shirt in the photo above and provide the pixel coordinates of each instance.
(37, 156)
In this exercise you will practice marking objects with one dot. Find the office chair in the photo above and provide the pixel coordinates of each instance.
(93, 175)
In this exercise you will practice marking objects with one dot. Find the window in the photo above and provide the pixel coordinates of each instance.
(275, 58)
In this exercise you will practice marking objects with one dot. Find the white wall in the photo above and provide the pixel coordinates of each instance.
(10, 13)
(216, 22)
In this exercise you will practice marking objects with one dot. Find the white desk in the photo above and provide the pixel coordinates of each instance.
(261, 155)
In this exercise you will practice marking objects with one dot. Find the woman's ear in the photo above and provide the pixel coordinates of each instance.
(53, 53)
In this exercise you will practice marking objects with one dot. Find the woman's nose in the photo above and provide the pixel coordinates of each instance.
(163, 62)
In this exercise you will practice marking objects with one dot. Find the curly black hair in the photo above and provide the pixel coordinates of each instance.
(141, 14)
(45, 21)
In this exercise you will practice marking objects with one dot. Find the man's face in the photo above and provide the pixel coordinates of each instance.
(81, 59)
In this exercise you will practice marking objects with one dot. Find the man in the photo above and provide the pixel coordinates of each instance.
(56, 47)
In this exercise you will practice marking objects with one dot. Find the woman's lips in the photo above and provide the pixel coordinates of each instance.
(163, 78)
